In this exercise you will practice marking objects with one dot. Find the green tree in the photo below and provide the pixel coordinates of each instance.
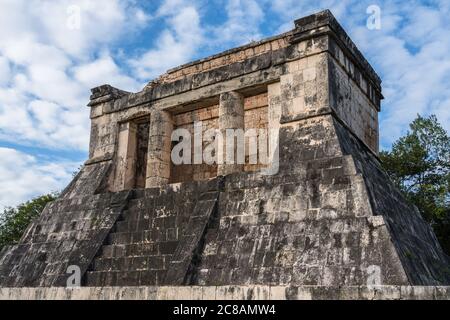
(14, 221)
(419, 164)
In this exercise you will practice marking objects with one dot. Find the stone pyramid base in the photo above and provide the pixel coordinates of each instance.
(230, 293)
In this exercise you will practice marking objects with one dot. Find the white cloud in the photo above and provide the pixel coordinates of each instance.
(171, 7)
(44, 122)
(95, 73)
(244, 18)
(100, 22)
(46, 72)
(185, 36)
(410, 52)
(54, 67)
(23, 176)
(176, 44)
(5, 71)
(45, 113)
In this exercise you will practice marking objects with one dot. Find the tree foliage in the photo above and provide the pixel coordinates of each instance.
(14, 221)
(419, 164)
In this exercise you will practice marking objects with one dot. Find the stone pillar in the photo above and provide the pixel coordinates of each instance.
(126, 157)
(274, 108)
(159, 148)
(231, 116)
(274, 116)
(305, 88)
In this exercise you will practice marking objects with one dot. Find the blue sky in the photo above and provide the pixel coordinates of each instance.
(49, 62)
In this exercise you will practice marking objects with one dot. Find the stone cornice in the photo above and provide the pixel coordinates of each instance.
(105, 93)
(325, 22)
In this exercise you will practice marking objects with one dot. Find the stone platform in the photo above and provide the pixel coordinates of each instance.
(230, 293)
(319, 220)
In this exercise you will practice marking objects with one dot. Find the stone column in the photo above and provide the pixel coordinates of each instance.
(274, 108)
(158, 159)
(231, 116)
(305, 88)
(273, 127)
(126, 157)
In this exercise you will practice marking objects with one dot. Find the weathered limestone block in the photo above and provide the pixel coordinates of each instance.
(353, 106)
(274, 100)
(69, 232)
(305, 88)
(158, 159)
(126, 157)
(231, 116)
(183, 264)
(324, 222)
(230, 293)
(93, 178)
(103, 135)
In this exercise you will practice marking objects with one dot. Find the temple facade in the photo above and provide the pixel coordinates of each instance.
(314, 209)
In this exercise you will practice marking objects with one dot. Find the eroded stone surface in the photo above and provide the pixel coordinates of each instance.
(249, 292)
(328, 217)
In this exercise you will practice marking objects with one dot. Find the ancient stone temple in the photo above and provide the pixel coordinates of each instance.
(319, 214)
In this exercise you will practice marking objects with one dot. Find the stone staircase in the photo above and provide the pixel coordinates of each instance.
(140, 247)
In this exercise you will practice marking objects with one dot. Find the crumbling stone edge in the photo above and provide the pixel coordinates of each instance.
(249, 292)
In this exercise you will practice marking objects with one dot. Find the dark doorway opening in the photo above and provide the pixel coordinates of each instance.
(142, 140)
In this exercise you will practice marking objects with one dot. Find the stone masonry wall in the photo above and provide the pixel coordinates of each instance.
(142, 246)
(354, 108)
(326, 217)
(255, 117)
(311, 227)
(417, 246)
(68, 232)
(195, 172)
(248, 292)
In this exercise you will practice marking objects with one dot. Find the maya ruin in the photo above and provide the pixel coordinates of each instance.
(319, 219)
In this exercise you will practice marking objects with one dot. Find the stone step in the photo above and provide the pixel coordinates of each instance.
(131, 263)
(107, 279)
(132, 225)
(138, 213)
(131, 237)
(147, 236)
(170, 226)
(151, 211)
(125, 238)
(129, 250)
(127, 278)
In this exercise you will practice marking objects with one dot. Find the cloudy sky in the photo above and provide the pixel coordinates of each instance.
(52, 52)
